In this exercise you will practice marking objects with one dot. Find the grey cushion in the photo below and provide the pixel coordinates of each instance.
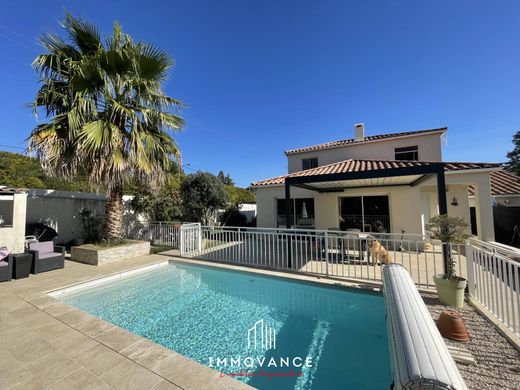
(42, 247)
(47, 255)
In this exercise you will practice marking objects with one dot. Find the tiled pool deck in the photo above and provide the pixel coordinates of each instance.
(46, 344)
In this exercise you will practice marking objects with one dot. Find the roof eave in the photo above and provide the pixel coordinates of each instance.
(439, 131)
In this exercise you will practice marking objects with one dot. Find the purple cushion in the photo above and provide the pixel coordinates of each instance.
(4, 263)
(47, 255)
(42, 247)
(4, 252)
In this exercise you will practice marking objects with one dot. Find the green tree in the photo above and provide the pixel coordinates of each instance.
(225, 179)
(17, 170)
(20, 171)
(202, 195)
(237, 195)
(513, 165)
(162, 206)
(108, 117)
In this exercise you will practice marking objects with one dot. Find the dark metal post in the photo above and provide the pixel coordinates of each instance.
(443, 210)
(288, 223)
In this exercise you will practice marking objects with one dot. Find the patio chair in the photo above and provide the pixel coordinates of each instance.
(6, 265)
(46, 256)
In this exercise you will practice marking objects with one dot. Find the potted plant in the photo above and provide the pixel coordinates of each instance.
(448, 230)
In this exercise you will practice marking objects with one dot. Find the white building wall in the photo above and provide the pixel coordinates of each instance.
(457, 183)
(405, 205)
(429, 146)
(13, 237)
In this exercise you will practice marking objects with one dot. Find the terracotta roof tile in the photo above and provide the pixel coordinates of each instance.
(370, 165)
(350, 141)
(502, 183)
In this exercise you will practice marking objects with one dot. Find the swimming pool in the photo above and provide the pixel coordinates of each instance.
(315, 336)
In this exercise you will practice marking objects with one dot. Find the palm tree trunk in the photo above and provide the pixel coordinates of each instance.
(114, 214)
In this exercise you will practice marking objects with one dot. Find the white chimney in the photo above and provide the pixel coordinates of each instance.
(359, 132)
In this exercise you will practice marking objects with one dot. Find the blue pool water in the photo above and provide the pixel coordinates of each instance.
(203, 312)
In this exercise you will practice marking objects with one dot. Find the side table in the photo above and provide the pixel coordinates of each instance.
(22, 265)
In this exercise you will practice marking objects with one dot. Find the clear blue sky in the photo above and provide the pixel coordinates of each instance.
(264, 76)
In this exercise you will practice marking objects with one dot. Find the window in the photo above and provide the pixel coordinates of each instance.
(304, 216)
(407, 153)
(366, 213)
(6, 210)
(309, 163)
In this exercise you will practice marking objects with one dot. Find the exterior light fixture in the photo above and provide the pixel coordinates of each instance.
(454, 202)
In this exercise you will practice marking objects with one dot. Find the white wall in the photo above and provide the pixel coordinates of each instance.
(429, 146)
(460, 192)
(266, 199)
(13, 237)
(457, 183)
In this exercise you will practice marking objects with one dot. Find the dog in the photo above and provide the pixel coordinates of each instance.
(378, 252)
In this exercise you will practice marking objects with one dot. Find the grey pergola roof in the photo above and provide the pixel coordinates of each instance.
(369, 173)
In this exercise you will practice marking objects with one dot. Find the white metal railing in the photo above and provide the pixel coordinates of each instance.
(324, 252)
(190, 239)
(158, 233)
(494, 281)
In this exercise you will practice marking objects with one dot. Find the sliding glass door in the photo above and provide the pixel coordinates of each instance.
(302, 212)
(366, 213)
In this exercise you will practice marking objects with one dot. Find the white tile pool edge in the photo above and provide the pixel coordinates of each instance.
(294, 277)
(104, 279)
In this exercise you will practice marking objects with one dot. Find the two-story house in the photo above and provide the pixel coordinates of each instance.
(388, 183)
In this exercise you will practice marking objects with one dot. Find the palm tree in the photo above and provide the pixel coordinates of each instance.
(107, 115)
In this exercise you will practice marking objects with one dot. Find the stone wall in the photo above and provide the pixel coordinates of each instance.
(89, 254)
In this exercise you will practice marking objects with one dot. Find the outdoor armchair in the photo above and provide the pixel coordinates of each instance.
(46, 256)
(6, 268)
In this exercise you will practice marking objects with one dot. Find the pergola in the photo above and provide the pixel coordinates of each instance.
(368, 173)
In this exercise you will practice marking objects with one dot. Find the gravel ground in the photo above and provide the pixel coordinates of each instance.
(498, 362)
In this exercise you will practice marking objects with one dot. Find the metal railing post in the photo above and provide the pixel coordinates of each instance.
(182, 240)
(470, 269)
(327, 253)
(199, 240)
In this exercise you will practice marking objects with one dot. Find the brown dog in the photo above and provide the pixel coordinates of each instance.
(378, 252)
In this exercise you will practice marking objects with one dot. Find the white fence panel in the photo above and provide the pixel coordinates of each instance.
(190, 239)
(158, 233)
(328, 253)
(495, 283)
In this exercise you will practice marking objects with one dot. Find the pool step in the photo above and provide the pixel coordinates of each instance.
(462, 355)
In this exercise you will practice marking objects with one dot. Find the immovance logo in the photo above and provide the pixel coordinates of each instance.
(261, 336)
(257, 363)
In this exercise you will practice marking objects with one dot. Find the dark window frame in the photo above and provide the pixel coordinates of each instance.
(295, 215)
(365, 218)
(407, 153)
(312, 163)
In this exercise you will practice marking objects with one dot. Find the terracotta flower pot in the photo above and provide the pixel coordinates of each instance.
(450, 291)
(451, 326)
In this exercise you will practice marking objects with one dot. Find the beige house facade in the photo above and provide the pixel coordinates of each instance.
(399, 195)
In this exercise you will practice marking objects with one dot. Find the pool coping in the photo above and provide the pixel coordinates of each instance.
(351, 284)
